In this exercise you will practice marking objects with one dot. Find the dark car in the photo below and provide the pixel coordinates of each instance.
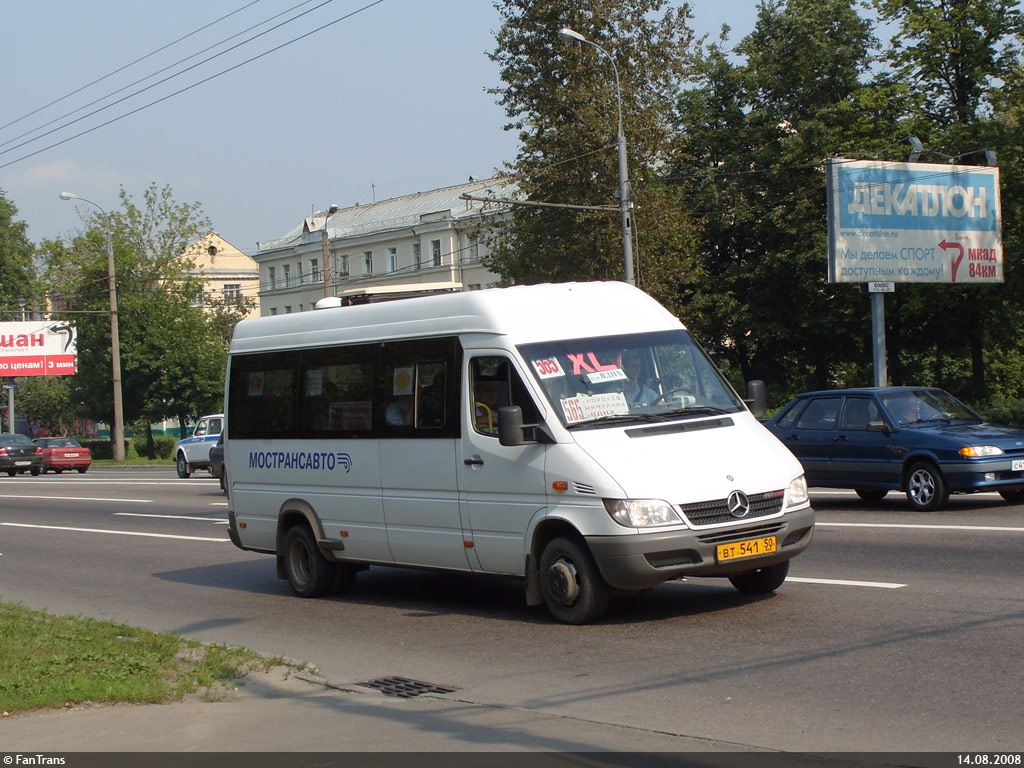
(18, 455)
(920, 440)
(60, 453)
(217, 462)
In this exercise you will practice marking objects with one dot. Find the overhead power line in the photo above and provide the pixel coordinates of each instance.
(189, 87)
(126, 66)
(141, 79)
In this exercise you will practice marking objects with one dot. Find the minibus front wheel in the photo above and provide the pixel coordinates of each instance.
(573, 588)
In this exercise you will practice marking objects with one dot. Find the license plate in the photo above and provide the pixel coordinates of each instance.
(1018, 465)
(22, 463)
(737, 550)
(70, 455)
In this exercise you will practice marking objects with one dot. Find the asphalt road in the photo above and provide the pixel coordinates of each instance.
(896, 631)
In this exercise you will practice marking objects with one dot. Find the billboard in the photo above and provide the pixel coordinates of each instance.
(913, 223)
(38, 348)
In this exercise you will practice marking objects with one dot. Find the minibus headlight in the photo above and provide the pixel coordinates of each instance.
(797, 493)
(641, 513)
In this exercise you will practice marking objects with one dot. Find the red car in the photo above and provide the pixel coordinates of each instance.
(60, 453)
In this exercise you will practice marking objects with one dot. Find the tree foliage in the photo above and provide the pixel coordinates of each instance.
(751, 136)
(727, 154)
(563, 101)
(15, 257)
(172, 358)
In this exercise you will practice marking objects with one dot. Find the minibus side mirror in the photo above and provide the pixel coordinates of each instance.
(510, 425)
(512, 432)
(757, 398)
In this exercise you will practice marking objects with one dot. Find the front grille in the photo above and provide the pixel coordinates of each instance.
(738, 534)
(717, 511)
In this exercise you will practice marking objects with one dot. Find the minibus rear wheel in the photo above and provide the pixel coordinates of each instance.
(309, 573)
(574, 590)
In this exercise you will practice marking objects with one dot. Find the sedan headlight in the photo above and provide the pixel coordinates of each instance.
(797, 492)
(974, 451)
(641, 513)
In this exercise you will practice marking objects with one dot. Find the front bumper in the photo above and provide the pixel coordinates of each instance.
(642, 561)
(991, 475)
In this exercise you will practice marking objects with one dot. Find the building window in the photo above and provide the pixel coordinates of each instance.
(474, 250)
(367, 262)
(273, 311)
(392, 259)
(232, 291)
(343, 265)
(286, 274)
(435, 252)
(272, 277)
(288, 309)
(416, 255)
(298, 272)
(314, 270)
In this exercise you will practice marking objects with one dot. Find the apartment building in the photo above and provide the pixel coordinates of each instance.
(428, 241)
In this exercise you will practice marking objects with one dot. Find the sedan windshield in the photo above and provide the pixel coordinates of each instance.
(915, 406)
(630, 378)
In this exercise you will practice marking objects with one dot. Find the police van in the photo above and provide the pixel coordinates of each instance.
(574, 436)
(193, 452)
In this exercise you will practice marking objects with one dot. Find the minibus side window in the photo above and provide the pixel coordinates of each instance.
(337, 392)
(417, 388)
(262, 396)
(495, 384)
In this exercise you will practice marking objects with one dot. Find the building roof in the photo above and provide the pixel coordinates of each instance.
(214, 257)
(398, 212)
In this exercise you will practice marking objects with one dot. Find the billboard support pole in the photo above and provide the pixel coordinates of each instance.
(10, 410)
(878, 338)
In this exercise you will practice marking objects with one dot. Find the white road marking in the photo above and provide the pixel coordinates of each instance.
(924, 526)
(846, 582)
(215, 521)
(74, 498)
(113, 533)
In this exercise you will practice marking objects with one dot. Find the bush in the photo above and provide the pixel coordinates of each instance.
(102, 449)
(1004, 410)
(164, 445)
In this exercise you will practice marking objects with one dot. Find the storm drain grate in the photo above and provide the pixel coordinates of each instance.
(405, 688)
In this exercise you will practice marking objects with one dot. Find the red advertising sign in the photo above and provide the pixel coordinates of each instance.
(38, 348)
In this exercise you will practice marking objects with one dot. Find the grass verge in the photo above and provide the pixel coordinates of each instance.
(58, 661)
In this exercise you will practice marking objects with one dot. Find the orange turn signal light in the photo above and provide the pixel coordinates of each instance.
(560, 485)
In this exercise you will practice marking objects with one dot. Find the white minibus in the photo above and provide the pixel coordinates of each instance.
(571, 435)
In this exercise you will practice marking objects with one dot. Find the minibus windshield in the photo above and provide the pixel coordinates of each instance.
(640, 377)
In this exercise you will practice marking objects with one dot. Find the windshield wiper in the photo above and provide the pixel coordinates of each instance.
(695, 410)
(618, 418)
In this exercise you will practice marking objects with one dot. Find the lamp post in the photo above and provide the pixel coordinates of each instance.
(624, 197)
(115, 342)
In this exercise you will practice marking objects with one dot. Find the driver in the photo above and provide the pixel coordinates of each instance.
(635, 391)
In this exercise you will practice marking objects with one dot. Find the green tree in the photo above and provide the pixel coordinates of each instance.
(172, 359)
(50, 401)
(960, 61)
(562, 100)
(15, 258)
(751, 137)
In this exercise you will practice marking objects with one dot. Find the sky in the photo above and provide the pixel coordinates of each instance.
(388, 98)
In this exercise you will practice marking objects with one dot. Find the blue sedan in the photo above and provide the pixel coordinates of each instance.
(919, 440)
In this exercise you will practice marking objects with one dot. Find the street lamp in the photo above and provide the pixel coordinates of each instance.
(571, 35)
(115, 342)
